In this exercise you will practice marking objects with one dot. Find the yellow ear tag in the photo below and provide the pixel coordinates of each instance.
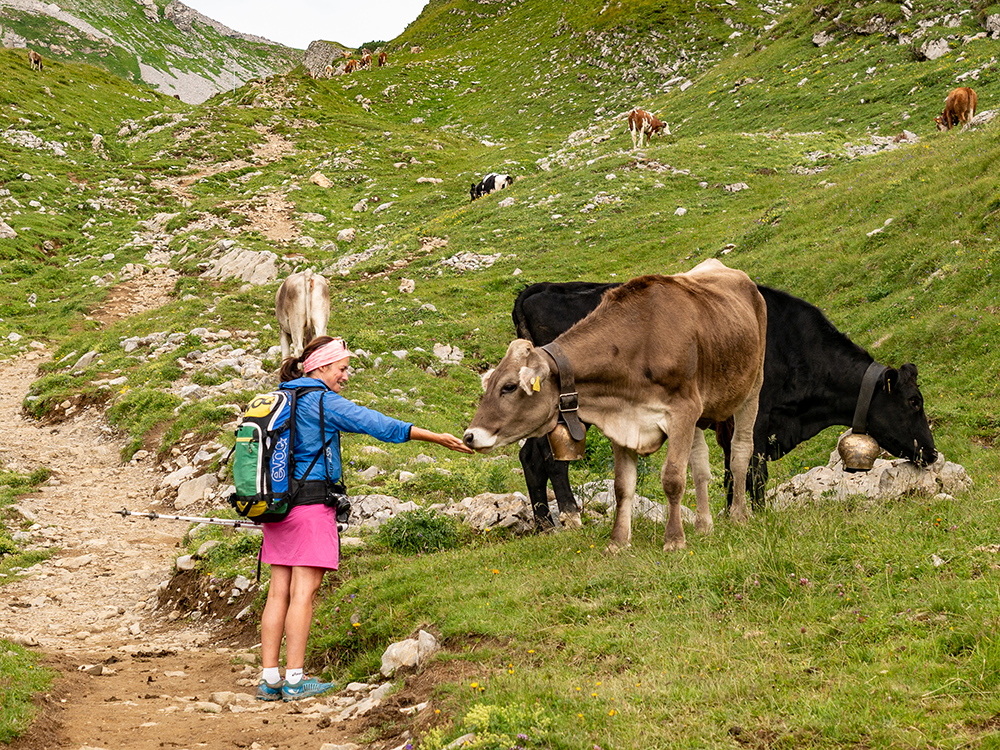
(536, 384)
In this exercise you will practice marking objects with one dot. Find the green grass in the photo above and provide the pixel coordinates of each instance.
(724, 644)
(21, 677)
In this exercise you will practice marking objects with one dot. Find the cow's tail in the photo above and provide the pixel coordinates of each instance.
(307, 287)
(520, 322)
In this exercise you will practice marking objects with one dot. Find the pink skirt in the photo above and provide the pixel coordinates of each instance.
(307, 537)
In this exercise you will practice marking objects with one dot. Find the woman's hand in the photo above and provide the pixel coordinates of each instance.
(443, 439)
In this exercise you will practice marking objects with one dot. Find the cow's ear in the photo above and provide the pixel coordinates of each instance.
(890, 379)
(532, 378)
(485, 377)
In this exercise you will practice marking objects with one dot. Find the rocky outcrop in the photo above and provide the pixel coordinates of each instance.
(886, 480)
(319, 55)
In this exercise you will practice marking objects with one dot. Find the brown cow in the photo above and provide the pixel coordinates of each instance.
(643, 125)
(35, 60)
(382, 59)
(302, 307)
(659, 359)
(350, 66)
(346, 54)
(959, 108)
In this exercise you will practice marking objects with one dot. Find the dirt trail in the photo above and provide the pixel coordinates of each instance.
(94, 606)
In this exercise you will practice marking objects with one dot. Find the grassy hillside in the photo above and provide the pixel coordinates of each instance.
(815, 627)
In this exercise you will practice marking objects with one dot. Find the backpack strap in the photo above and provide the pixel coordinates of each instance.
(291, 442)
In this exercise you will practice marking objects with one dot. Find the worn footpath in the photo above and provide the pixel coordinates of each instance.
(132, 673)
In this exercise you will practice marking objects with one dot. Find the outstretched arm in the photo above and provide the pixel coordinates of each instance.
(440, 438)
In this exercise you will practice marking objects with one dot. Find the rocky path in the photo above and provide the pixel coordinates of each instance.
(132, 675)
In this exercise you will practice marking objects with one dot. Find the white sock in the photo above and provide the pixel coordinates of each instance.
(272, 675)
(293, 676)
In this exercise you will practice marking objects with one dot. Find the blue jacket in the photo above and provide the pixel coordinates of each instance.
(340, 415)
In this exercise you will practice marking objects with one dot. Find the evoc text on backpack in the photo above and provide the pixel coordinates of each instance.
(264, 462)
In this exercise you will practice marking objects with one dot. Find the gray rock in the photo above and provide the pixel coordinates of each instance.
(257, 268)
(886, 480)
(932, 49)
(412, 653)
(194, 490)
(85, 361)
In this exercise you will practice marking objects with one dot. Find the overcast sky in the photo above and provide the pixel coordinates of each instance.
(296, 23)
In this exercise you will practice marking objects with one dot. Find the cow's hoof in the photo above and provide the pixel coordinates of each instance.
(544, 526)
(704, 526)
(739, 516)
(614, 548)
(570, 520)
(674, 544)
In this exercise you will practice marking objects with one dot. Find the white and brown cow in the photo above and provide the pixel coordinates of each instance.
(659, 359)
(643, 125)
(382, 58)
(366, 60)
(959, 108)
(35, 60)
(302, 306)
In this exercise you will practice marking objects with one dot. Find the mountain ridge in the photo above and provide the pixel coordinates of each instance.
(168, 45)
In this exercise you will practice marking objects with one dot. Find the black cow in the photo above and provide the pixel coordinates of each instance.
(489, 183)
(812, 377)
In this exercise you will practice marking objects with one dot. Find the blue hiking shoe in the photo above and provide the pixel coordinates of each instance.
(268, 692)
(306, 688)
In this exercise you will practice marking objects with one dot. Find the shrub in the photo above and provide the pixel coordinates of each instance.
(418, 531)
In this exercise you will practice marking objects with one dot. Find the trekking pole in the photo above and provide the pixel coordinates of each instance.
(236, 523)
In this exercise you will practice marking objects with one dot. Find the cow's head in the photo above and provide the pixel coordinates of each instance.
(896, 417)
(941, 123)
(521, 400)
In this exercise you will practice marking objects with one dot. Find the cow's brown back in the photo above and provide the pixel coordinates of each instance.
(656, 333)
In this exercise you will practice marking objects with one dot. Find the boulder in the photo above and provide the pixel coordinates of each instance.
(257, 268)
(411, 653)
(318, 178)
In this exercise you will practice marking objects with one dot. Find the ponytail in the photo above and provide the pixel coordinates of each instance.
(291, 367)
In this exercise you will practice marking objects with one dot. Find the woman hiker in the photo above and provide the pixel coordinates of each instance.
(302, 547)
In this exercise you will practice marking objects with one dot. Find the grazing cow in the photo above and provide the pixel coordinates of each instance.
(346, 54)
(382, 59)
(812, 378)
(35, 60)
(642, 125)
(302, 306)
(959, 108)
(350, 66)
(328, 71)
(366, 60)
(660, 357)
(489, 183)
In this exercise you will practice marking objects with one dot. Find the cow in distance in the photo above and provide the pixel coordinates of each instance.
(302, 307)
(959, 108)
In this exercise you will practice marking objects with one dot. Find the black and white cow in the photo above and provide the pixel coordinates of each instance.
(489, 183)
(812, 378)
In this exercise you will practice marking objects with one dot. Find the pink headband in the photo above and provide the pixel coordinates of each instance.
(334, 351)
